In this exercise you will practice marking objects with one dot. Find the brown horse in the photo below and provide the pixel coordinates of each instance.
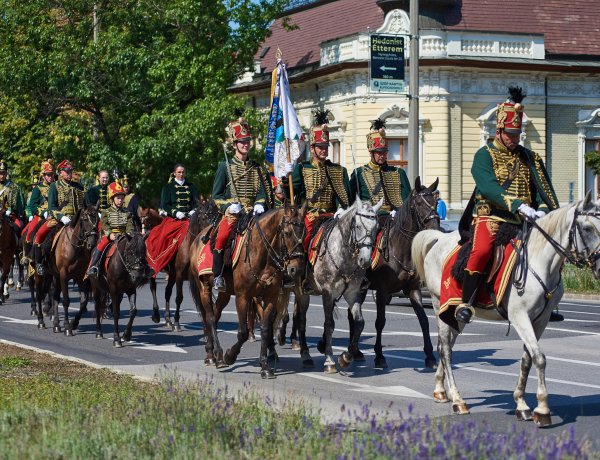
(149, 218)
(69, 260)
(178, 267)
(273, 245)
(8, 247)
(126, 271)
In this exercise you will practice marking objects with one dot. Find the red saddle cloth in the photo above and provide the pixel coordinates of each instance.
(109, 253)
(376, 254)
(205, 258)
(313, 248)
(164, 241)
(451, 290)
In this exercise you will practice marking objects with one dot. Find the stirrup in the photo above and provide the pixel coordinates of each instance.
(464, 313)
(219, 284)
(92, 272)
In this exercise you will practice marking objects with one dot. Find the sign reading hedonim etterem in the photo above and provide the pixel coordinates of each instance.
(387, 63)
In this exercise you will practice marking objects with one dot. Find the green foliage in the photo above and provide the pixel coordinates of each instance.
(13, 362)
(580, 280)
(592, 159)
(150, 91)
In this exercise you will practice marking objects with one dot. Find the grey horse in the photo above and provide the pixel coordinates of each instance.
(339, 270)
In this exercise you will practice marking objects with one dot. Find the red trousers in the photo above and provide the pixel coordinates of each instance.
(29, 228)
(223, 231)
(43, 231)
(104, 241)
(310, 223)
(484, 235)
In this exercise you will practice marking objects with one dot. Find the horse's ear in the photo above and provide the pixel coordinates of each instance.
(587, 199)
(418, 185)
(434, 186)
(378, 205)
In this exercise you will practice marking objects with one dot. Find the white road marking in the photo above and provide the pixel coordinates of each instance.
(149, 346)
(396, 390)
(573, 361)
(402, 333)
(7, 319)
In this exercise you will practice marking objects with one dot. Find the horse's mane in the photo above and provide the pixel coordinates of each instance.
(403, 213)
(551, 224)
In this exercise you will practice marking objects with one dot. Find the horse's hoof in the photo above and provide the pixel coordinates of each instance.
(440, 397)
(321, 346)
(267, 374)
(430, 363)
(127, 337)
(380, 362)
(68, 333)
(117, 344)
(524, 415)
(57, 329)
(11, 283)
(308, 363)
(295, 345)
(281, 341)
(220, 364)
(210, 361)
(345, 359)
(99, 336)
(251, 338)
(358, 356)
(228, 359)
(155, 317)
(41, 326)
(542, 420)
(169, 325)
(330, 368)
(177, 328)
(74, 325)
(460, 408)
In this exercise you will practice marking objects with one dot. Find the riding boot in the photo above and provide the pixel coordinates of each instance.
(26, 253)
(38, 260)
(93, 270)
(219, 283)
(556, 316)
(464, 311)
(307, 286)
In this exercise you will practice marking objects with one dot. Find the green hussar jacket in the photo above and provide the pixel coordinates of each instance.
(98, 194)
(65, 199)
(375, 182)
(176, 198)
(504, 180)
(116, 220)
(38, 202)
(250, 181)
(325, 186)
(14, 197)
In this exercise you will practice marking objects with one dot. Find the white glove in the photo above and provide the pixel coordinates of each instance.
(65, 220)
(179, 215)
(162, 213)
(45, 214)
(287, 169)
(8, 212)
(30, 218)
(393, 213)
(234, 208)
(339, 212)
(99, 215)
(540, 214)
(191, 213)
(527, 211)
(258, 209)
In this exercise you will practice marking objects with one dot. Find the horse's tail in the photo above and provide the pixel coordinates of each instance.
(421, 245)
(194, 290)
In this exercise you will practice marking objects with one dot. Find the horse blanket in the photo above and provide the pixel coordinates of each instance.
(164, 241)
(205, 258)
(489, 295)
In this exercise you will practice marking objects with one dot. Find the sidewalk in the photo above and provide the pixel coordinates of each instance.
(575, 296)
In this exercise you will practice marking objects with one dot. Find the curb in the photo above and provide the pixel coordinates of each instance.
(574, 296)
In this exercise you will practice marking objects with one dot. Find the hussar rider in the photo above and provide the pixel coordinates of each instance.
(377, 179)
(37, 206)
(323, 183)
(239, 188)
(511, 183)
(13, 196)
(116, 221)
(65, 198)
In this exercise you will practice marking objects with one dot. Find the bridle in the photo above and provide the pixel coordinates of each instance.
(368, 240)
(84, 235)
(134, 265)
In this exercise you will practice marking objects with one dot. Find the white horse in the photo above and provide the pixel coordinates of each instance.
(572, 233)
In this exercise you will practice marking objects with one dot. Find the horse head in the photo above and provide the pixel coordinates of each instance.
(292, 233)
(423, 206)
(134, 258)
(584, 234)
(362, 219)
(149, 218)
(87, 219)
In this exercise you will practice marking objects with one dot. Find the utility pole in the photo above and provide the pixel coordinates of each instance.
(414, 166)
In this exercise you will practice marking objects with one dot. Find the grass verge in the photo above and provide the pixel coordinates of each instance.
(580, 280)
(51, 408)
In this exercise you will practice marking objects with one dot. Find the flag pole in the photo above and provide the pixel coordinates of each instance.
(279, 56)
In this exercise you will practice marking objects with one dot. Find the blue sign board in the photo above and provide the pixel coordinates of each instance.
(387, 63)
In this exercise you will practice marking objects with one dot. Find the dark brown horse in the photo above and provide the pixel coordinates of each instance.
(395, 273)
(178, 267)
(8, 247)
(149, 218)
(126, 271)
(69, 260)
(273, 246)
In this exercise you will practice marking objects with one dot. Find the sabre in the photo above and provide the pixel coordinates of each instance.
(233, 189)
(354, 165)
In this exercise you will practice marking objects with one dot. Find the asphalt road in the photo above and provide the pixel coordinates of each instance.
(486, 360)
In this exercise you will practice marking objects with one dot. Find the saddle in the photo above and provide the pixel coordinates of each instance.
(107, 255)
(242, 224)
(381, 241)
(320, 233)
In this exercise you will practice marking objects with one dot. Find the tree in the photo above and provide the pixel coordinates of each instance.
(148, 92)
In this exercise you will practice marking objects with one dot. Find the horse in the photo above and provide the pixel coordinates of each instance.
(570, 233)
(125, 272)
(177, 269)
(8, 248)
(339, 269)
(69, 260)
(149, 218)
(273, 246)
(395, 272)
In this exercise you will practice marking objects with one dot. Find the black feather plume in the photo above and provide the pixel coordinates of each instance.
(516, 94)
(321, 117)
(238, 113)
(377, 124)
